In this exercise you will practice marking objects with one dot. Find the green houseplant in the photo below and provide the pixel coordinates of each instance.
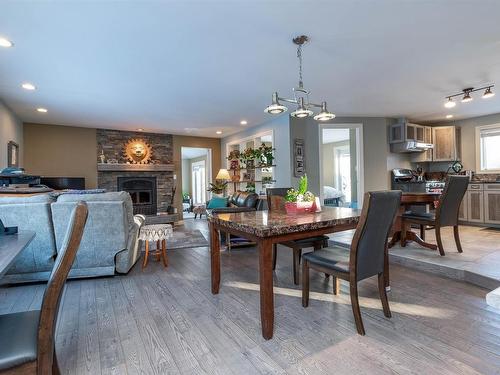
(266, 155)
(217, 187)
(300, 200)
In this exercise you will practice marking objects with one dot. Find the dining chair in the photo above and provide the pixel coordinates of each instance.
(27, 339)
(446, 215)
(367, 256)
(276, 202)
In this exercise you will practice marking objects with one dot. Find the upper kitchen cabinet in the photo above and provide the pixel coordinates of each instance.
(426, 155)
(446, 141)
(405, 132)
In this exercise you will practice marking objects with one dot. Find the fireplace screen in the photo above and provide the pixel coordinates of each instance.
(142, 190)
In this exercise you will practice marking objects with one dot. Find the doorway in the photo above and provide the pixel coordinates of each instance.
(341, 160)
(196, 176)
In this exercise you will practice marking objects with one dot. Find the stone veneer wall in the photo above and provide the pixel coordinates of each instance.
(112, 142)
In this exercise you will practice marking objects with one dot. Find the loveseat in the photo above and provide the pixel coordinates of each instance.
(110, 241)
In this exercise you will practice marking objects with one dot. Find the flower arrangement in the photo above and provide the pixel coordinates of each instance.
(300, 200)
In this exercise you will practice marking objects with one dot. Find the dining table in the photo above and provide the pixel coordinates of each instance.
(409, 199)
(11, 246)
(266, 228)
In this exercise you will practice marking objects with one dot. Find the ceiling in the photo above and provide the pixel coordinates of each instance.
(196, 67)
(193, 152)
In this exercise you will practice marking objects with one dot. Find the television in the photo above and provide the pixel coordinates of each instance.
(62, 183)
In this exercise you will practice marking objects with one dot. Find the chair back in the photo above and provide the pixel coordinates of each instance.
(53, 292)
(449, 202)
(369, 243)
(276, 199)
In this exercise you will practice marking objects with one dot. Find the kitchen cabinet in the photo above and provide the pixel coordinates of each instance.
(446, 141)
(406, 131)
(492, 203)
(424, 156)
(475, 203)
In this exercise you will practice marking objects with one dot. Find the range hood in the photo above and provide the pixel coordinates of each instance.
(410, 146)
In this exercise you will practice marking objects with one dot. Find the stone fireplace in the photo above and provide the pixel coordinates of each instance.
(142, 190)
(150, 185)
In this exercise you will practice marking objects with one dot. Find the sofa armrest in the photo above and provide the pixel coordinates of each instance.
(140, 220)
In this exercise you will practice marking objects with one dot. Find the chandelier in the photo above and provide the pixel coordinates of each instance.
(301, 95)
(450, 103)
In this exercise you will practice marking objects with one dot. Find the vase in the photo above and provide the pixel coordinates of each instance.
(294, 208)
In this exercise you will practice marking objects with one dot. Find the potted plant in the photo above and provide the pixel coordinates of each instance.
(266, 155)
(234, 158)
(250, 187)
(218, 187)
(300, 200)
(248, 157)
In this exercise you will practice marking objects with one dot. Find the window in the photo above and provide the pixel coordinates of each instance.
(488, 139)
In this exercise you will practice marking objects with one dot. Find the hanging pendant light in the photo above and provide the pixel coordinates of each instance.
(450, 103)
(488, 93)
(467, 98)
(301, 95)
(324, 115)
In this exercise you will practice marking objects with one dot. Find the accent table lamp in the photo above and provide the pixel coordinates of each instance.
(223, 175)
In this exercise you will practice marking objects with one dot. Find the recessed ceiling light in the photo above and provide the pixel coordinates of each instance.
(28, 86)
(243, 122)
(42, 110)
(5, 43)
(449, 116)
(140, 129)
(218, 132)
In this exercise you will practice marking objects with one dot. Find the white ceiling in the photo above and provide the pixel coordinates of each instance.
(335, 135)
(199, 66)
(192, 152)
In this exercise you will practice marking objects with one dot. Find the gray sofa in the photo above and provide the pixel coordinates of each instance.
(110, 241)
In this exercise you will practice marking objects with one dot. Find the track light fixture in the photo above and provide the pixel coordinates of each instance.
(301, 95)
(466, 95)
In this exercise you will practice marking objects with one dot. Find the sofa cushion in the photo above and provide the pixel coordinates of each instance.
(217, 202)
(22, 198)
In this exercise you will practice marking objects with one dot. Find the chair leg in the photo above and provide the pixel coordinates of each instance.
(305, 283)
(439, 241)
(275, 255)
(336, 285)
(422, 232)
(296, 255)
(457, 238)
(383, 295)
(355, 309)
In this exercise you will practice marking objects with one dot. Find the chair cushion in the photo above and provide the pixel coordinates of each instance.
(422, 216)
(18, 338)
(334, 258)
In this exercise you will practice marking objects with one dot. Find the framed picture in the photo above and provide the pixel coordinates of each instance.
(299, 167)
(12, 154)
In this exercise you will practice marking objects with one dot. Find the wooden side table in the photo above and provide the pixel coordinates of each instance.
(158, 233)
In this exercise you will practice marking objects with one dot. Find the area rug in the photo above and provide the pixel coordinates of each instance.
(186, 240)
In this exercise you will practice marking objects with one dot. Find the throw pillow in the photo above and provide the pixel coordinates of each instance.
(217, 202)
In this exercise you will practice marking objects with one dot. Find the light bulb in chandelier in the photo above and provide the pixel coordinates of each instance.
(324, 115)
(467, 98)
(275, 108)
(301, 111)
(450, 103)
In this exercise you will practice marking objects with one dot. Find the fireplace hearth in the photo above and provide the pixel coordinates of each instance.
(142, 190)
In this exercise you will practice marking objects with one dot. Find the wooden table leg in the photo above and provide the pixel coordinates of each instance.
(266, 287)
(164, 252)
(214, 257)
(158, 250)
(146, 254)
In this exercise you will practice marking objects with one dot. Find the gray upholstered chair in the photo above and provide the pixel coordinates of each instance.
(446, 213)
(367, 256)
(276, 202)
(27, 339)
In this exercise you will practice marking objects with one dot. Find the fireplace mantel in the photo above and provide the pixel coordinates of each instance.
(108, 167)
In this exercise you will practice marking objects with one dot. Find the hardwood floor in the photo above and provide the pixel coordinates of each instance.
(166, 321)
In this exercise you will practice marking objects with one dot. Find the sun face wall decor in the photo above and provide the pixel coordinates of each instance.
(137, 151)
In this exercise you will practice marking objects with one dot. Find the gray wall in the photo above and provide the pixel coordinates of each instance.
(11, 129)
(282, 144)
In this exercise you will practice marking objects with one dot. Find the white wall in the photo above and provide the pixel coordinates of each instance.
(11, 129)
(280, 126)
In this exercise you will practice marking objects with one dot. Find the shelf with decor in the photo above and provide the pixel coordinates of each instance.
(251, 163)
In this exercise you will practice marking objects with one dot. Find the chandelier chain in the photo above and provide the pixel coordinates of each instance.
(299, 55)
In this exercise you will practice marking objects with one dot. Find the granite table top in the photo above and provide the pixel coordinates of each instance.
(11, 246)
(276, 223)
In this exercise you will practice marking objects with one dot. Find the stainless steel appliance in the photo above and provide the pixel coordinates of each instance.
(406, 180)
(410, 146)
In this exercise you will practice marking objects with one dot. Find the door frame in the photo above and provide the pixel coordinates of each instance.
(208, 168)
(359, 157)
